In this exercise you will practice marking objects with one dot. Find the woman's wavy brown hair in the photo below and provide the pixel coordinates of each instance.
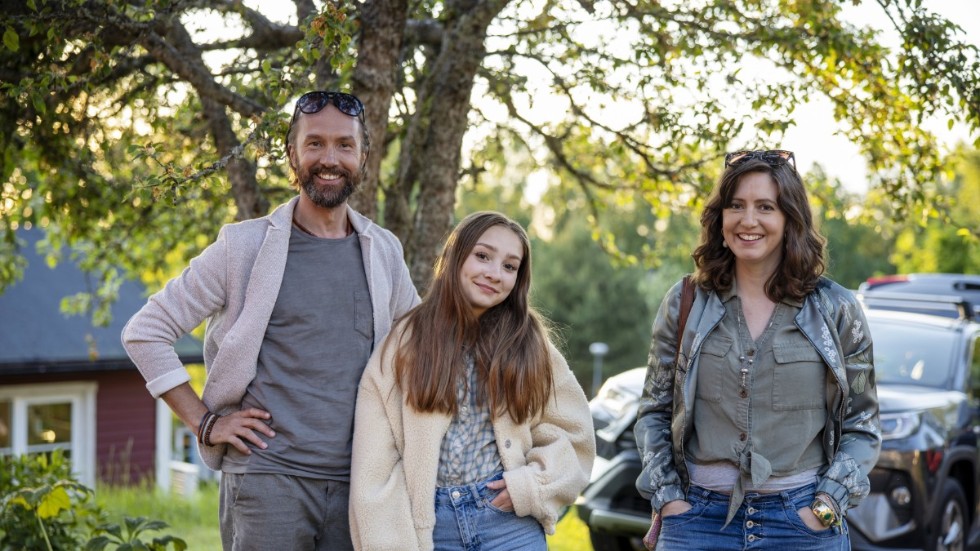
(509, 342)
(803, 247)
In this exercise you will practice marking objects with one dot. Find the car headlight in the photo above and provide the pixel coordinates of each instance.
(899, 425)
(611, 405)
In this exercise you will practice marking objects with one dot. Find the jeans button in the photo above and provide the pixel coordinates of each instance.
(455, 494)
(749, 524)
(751, 537)
(751, 510)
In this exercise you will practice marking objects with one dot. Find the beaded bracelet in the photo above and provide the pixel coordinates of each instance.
(202, 426)
(207, 432)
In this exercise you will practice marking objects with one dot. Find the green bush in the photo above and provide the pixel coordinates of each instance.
(44, 507)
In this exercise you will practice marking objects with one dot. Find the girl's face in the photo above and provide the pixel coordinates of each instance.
(753, 224)
(490, 270)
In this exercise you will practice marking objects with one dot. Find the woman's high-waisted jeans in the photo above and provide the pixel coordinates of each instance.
(764, 521)
(465, 521)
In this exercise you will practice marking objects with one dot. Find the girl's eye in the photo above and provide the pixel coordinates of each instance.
(735, 206)
(482, 255)
(510, 267)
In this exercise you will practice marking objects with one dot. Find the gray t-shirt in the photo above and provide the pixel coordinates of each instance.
(316, 346)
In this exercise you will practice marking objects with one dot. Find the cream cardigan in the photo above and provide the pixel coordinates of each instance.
(234, 284)
(547, 462)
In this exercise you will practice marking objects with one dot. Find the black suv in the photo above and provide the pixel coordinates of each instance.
(924, 488)
(957, 291)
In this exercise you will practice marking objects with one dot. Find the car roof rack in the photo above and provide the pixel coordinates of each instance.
(942, 305)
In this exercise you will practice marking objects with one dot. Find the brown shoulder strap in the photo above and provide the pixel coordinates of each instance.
(687, 300)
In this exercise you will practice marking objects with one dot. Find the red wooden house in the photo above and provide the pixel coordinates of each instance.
(65, 383)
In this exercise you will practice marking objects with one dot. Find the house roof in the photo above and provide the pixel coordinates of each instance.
(36, 337)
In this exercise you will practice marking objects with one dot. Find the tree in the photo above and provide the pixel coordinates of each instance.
(949, 240)
(132, 129)
(859, 239)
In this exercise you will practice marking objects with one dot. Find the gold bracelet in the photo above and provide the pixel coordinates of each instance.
(824, 512)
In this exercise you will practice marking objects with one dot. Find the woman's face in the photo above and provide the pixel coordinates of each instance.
(490, 271)
(752, 224)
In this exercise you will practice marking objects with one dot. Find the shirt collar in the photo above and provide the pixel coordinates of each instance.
(732, 291)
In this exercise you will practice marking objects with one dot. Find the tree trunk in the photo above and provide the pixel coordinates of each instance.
(249, 200)
(382, 29)
(430, 155)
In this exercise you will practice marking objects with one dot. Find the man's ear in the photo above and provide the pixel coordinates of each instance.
(289, 155)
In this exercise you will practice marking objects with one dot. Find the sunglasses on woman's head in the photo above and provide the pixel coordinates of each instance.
(314, 102)
(773, 157)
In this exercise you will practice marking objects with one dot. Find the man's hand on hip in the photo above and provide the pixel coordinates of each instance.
(242, 426)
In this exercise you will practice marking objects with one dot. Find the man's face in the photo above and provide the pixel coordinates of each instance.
(327, 155)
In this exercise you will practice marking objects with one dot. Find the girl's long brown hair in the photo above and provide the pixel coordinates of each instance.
(803, 246)
(509, 342)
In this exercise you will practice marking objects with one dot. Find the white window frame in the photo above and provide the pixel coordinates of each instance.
(81, 396)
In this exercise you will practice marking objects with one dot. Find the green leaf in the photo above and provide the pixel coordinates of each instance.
(53, 503)
(11, 40)
(98, 543)
(153, 525)
(19, 500)
(38, 103)
(113, 529)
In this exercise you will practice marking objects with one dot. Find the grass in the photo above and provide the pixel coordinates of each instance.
(196, 519)
(571, 535)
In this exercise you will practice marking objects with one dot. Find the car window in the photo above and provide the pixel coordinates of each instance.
(912, 354)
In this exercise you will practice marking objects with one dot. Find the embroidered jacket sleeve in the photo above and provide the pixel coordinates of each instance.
(659, 481)
(558, 462)
(846, 480)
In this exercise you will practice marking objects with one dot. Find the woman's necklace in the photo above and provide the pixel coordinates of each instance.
(746, 362)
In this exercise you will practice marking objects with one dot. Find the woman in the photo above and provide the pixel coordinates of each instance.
(766, 428)
(470, 429)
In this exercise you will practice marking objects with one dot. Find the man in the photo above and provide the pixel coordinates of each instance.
(295, 301)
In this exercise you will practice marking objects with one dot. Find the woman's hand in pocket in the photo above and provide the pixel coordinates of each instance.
(810, 519)
(502, 500)
(676, 507)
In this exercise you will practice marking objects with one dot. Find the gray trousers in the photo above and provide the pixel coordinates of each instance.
(274, 511)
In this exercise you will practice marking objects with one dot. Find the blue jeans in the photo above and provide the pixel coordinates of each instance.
(763, 521)
(466, 521)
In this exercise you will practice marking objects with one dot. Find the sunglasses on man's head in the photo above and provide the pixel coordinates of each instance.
(773, 157)
(314, 102)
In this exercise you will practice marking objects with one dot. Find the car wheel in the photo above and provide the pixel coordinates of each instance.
(609, 542)
(949, 520)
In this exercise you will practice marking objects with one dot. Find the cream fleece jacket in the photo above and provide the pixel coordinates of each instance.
(547, 461)
(234, 284)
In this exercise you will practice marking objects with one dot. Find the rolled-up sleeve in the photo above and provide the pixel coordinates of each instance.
(181, 306)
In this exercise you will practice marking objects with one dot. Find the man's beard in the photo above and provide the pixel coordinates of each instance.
(329, 198)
